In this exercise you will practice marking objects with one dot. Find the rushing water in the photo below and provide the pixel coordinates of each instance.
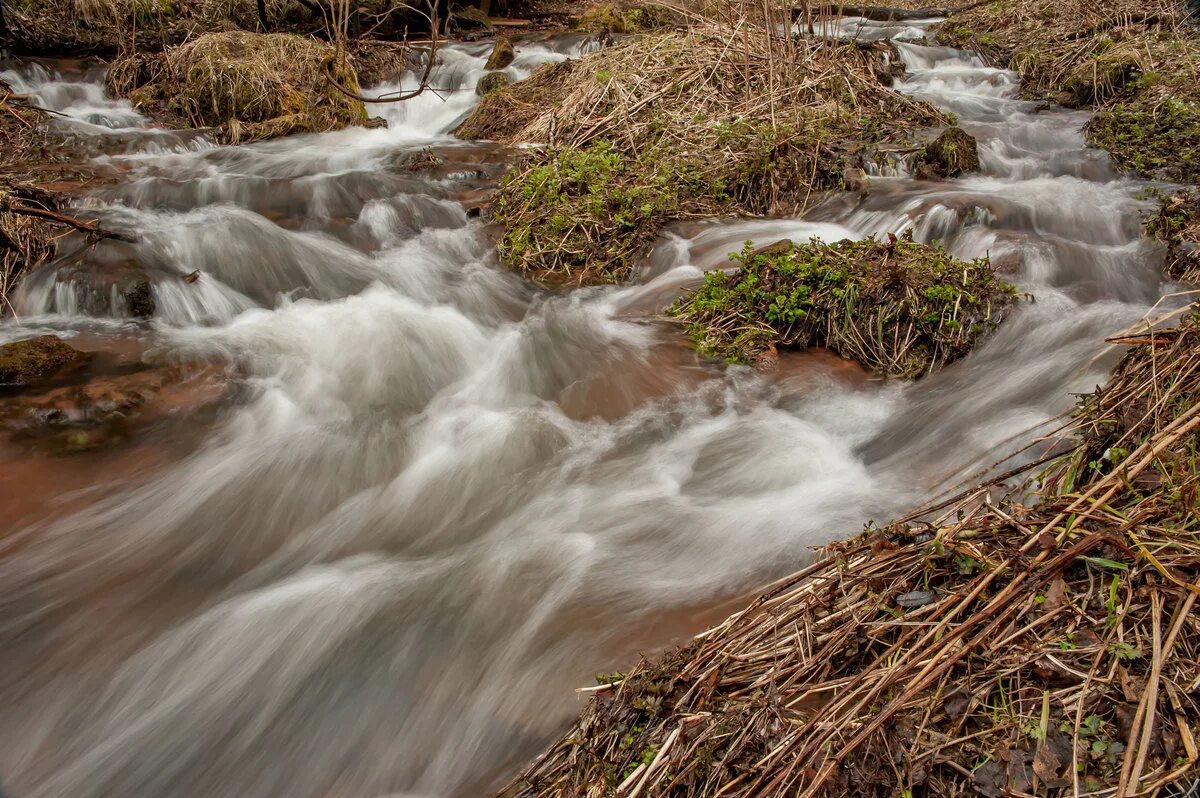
(436, 499)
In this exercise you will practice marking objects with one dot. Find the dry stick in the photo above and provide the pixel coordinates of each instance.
(1147, 712)
(90, 228)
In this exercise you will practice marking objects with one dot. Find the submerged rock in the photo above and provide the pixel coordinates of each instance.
(34, 361)
(118, 290)
(106, 410)
(492, 81)
(950, 154)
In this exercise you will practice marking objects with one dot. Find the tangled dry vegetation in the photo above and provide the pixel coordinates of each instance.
(234, 83)
(999, 650)
(716, 119)
(897, 307)
(1177, 224)
(108, 27)
(25, 240)
(1136, 62)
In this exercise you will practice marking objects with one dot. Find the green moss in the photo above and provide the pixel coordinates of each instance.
(1154, 138)
(585, 214)
(609, 18)
(897, 307)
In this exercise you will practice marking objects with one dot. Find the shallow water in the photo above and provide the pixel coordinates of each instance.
(438, 499)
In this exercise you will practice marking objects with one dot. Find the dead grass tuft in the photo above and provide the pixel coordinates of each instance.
(245, 85)
(997, 649)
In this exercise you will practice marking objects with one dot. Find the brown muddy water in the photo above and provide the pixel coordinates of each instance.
(424, 500)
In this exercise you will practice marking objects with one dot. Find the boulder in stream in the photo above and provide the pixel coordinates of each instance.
(492, 81)
(34, 361)
(502, 55)
(949, 155)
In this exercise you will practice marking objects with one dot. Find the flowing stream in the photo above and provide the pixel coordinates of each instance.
(429, 500)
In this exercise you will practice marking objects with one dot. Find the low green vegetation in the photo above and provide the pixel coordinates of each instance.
(1152, 135)
(897, 307)
(1177, 225)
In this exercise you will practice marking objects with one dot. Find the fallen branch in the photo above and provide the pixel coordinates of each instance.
(89, 228)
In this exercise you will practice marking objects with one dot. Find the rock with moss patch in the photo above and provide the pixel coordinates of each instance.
(950, 154)
(492, 81)
(897, 307)
(36, 360)
(502, 55)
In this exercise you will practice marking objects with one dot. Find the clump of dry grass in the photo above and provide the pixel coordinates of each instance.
(997, 649)
(672, 125)
(897, 307)
(84, 27)
(245, 85)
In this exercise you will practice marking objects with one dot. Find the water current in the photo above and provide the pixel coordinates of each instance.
(432, 499)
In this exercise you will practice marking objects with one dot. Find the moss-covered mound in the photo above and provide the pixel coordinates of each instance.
(246, 86)
(1137, 63)
(951, 154)
(626, 18)
(895, 306)
(676, 125)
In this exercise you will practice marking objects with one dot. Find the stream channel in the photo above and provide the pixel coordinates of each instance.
(395, 503)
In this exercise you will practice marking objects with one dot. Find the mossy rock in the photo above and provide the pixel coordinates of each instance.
(36, 360)
(950, 154)
(502, 55)
(897, 307)
(247, 86)
(612, 18)
(492, 81)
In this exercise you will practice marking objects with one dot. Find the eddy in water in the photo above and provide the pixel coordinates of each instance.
(408, 501)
